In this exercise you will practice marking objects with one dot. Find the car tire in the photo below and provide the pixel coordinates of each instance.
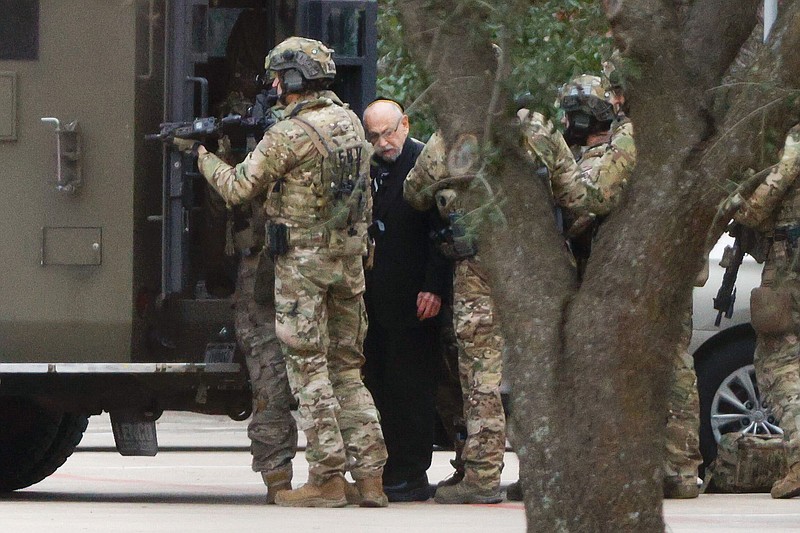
(728, 369)
(712, 371)
(34, 441)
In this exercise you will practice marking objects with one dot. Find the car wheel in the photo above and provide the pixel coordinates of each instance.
(729, 397)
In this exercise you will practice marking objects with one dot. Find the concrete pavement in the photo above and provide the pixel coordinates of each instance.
(201, 481)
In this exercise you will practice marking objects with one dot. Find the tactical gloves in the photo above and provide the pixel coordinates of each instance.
(185, 145)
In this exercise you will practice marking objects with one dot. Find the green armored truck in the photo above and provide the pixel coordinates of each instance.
(116, 290)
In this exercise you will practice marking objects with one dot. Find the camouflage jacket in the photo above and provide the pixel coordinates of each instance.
(440, 177)
(593, 182)
(776, 201)
(288, 166)
(435, 180)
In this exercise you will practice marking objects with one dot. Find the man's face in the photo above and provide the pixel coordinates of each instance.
(617, 100)
(276, 84)
(387, 129)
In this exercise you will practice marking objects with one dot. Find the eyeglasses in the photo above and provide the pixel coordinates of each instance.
(375, 138)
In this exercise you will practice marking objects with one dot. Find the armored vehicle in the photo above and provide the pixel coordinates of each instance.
(116, 292)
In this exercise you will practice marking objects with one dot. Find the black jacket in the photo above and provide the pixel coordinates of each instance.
(405, 262)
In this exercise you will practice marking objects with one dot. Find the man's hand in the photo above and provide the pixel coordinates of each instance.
(428, 305)
(598, 138)
(184, 145)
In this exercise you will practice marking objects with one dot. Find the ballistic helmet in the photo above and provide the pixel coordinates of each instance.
(312, 59)
(589, 94)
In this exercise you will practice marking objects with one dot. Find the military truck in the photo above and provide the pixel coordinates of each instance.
(115, 297)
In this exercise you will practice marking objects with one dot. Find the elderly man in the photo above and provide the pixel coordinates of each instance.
(404, 290)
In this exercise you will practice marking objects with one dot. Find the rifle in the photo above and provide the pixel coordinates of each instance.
(259, 119)
(201, 129)
(746, 240)
(731, 259)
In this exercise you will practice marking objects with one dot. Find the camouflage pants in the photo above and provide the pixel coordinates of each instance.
(777, 360)
(683, 420)
(480, 368)
(272, 429)
(321, 323)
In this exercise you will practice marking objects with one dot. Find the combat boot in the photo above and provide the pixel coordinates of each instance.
(681, 487)
(468, 490)
(371, 491)
(352, 494)
(315, 493)
(277, 481)
(789, 486)
(456, 477)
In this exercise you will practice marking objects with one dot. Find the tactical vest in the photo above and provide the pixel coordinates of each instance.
(329, 206)
(458, 240)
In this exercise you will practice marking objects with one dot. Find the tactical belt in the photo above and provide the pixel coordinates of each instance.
(280, 238)
(787, 233)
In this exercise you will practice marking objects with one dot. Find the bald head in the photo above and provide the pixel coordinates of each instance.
(387, 128)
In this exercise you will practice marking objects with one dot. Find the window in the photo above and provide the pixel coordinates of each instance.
(19, 29)
(220, 23)
(345, 31)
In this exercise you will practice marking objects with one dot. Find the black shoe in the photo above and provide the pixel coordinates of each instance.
(514, 492)
(416, 490)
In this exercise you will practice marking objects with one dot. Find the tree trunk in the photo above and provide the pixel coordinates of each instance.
(589, 366)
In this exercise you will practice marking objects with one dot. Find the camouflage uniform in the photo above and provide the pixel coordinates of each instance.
(480, 356)
(320, 317)
(590, 184)
(774, 207)
(683, 420)
(272, 429)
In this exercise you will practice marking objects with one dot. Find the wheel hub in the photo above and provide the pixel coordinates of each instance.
(737, 407)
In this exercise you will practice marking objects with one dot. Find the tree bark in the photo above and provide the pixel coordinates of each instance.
(589, 366)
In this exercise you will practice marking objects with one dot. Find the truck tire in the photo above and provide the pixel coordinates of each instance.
(34, 441)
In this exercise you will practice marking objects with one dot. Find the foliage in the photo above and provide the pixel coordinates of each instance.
(556, 41)
(398, 76)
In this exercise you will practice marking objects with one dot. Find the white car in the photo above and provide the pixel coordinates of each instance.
(723, 358)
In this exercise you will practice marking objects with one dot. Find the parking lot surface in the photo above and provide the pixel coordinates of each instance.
(201, 481)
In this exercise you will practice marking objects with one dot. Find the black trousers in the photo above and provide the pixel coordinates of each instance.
(400, 372)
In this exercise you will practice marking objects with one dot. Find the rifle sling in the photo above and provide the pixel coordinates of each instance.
(316, 137)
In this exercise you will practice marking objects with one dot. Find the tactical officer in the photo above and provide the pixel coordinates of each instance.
(589, 167)
(272, 429)
(480, 358)
(313, 166)
(590, 164)
(774, 208)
